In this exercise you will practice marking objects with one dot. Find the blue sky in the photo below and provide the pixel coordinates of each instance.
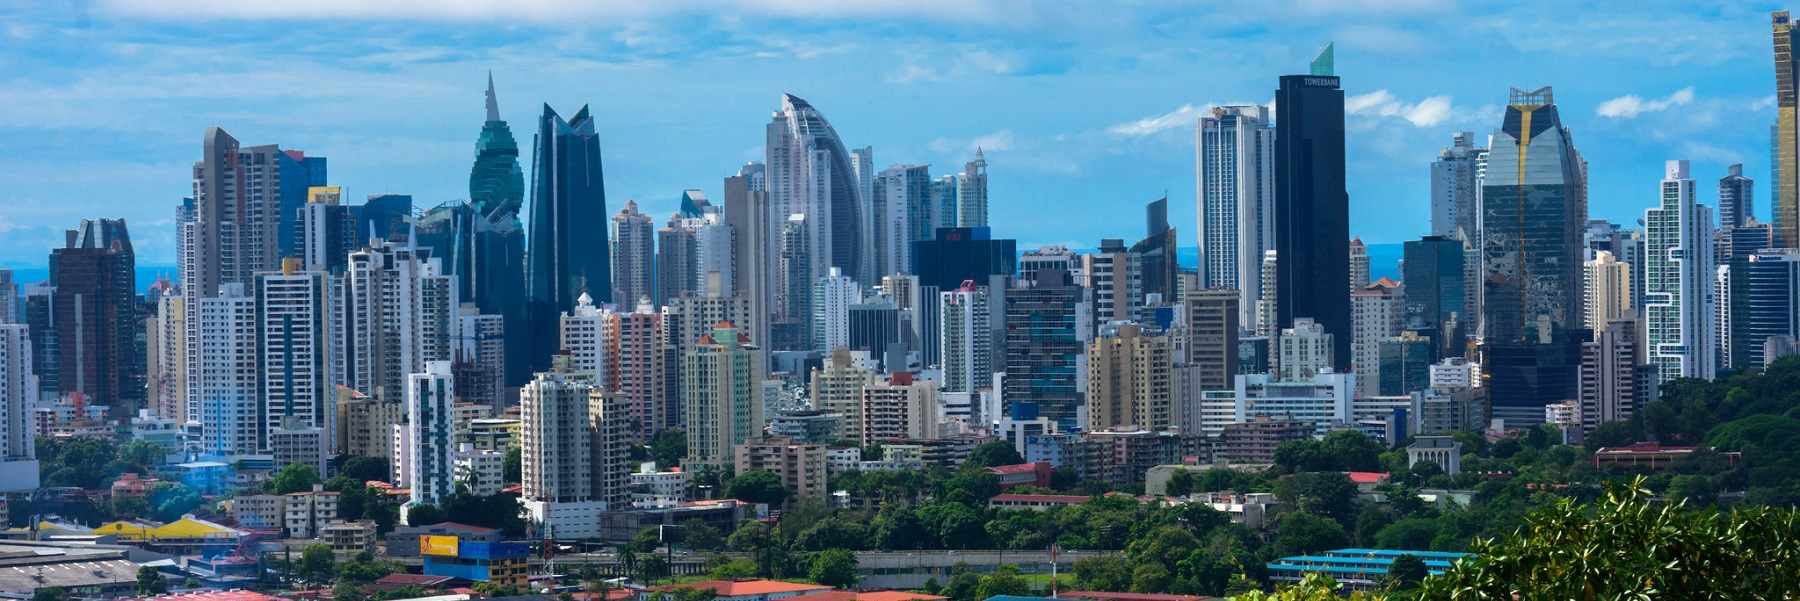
(1085, 109)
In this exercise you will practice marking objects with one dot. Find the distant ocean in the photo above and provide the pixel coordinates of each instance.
(146, 275)
(1384, 261)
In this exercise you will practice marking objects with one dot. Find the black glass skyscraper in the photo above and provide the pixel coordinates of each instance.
(960, 254)
(1312, 208)
(568, 251)
(1435, 304)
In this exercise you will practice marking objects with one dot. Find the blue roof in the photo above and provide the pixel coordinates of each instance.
(1399, 552)
(1383, 561)
(1334, 569)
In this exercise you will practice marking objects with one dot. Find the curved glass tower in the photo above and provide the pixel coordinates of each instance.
(490, 242)
(568, 251)
(809, 172)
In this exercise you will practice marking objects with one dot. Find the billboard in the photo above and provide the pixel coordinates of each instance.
(436, 544)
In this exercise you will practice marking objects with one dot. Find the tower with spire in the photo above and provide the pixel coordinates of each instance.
(490, 240)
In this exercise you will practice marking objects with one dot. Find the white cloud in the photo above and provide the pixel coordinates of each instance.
(1381, 103)
(1631, 105)
(1701, 151)
(1764, 103)
(1000, 140)
(1180, 117)
(559, 11)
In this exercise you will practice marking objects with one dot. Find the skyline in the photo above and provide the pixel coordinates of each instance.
(395, 104)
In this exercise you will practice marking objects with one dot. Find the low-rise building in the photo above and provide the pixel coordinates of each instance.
(1253, 510)
(1125, 457)
(502, 564)
(349, 536)
(404, 540)
(1023, 474)
(1034, 502)
(481, 470)
(801, 466)
(659, 489)
(1355, 569)
(1444, 451)
(807, 426)
(1650, 455)
(260, 512)
(306, 512)
(495, 434)
(1254, 441)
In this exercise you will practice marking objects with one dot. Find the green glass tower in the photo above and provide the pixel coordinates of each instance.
(489, 247)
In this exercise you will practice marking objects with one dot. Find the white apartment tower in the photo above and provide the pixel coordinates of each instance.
(965, 340)
(222, 371)
(294, 348)
(1678, 280)
(832, 297)
(431, 453)
(1234, 175)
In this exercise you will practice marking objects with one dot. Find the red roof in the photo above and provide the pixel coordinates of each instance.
(1018, 498)
(1368, 477)
(420, 580)
(1020, 468)
(215, 596)
(742, 588)
(865, 596)
(462, 526)
(612, 594)
(1109, 596)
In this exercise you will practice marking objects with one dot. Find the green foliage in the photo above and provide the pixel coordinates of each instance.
(150, 582)
(83, 461)
(1409, 533)
(697, 535)
(668, 447)
(363, 469)
(512, 466)
(1327, 494)
(1181, 484)
(1339, 451)
(835, 532)
(733, 569)
(317, 564)
(1301, 533)
(50, 593)
(995, 454)
(1627, 547)
(1103, 573)
(757, 486)
(293, 477)
(1405, 573)
(833, 567)
(364, 569)
(168, 501)
(1004, 581)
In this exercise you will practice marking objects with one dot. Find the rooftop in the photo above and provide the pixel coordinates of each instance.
(740, 588)
(1367, 477)
(1111, 596)
(232, 595)
(1022, 498)
(866, 596)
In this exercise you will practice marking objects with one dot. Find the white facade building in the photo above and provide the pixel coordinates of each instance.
(1678, 281)
(965, 340)
(1323, 399)
(1234, 175)
(222, 371)
(1303, 350)
(430, 426)
(18, 395)
(832, 297)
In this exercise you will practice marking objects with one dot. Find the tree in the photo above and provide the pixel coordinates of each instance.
(50, 593)
(1181, 483)
(653, 567)
(668, 447)
(168, 501)
(1405, 573)
(699, 536)
(1004, 581)
(363, 569)
(1324, 493)
(1103, 573)
(1301, 533)
(1314, 587)
(292, 478)
(1149, 578)
(833, 567)
(994, 454)
(733, 570)
(1651, 550)
(361, 469)
(512, 467)
(1409, 533)
(150, 582)
(317, 564)
(1352, 451)
(757, 486)
(424, 515)
(963, 586)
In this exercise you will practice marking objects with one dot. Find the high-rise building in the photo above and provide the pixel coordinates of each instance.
(1130, 385)
(1456, 187)
(875, 329)
(1402, 367)
(1110, 276)
(754, 247)
(902, 216)
(569, 252)
(293, 341)
(677, 258)
(1053, 257)
(1234, 168)
(1534, 206)
(588, 338)
(1266, 321)
(799, 465)
(493, 238)
(1212, 330)
(633, 254)
(1786, 163)
(836, 387)
(1736, 242)
(247, 210)
(1359, 265)
(1764, 288)
(1154, 256)
(965, 340)
(480, 359)
(972, 193)
(792, 329)
(638, 370)
(383, 217)
(1048, 325)
(429, 395)
(722, 380)
(327, 231)
(832, 297)
(1737, 197)
(40, 316)
(9, 298)
(1323, 400)
(1437, 301)
(222, 370)
(1606, 290)
(1678, 310)
(957, 255)
(1609, 371)
(899, 408)
(1312, 208)
(395, 311)
(95, 316)
(919, 314)
(556, 452)
(810, 173)
(1304, 350)
(610, 429)
(1378, 313)
(165, 354)
(18, 397)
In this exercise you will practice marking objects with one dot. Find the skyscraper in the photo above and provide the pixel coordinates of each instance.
(633, 253)
(972, 193)
(293, 349)
(1359, 264)
(394, 312)
(723, 383)
(1234, 166)
(18, 395)
(221, 371)
(965, 342)
(810, 173)
(556, 452)
(959, 254)
(1606, 290)
(1786, 170)
(1213, 330)
(95, 315)
(833, 295)
(1132, 379)
(568, 251)
(1155, 254)
(1048, 326)
(1436, 301)
(429, 395)
(677, 258)
(903, 205)
(748, 215)
(1455, 187)
(1534, 206)
(1765, 286)
(1378, 313)
(239, 198)
(1312, 208)
(1737, 198)
(493, 238)
(1609, 372)
(298, 173)
(1678, 285)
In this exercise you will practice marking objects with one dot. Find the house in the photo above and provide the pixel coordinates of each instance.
(1023, 474)
(1444, 451)
(1034, 502)
(1650, 455)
